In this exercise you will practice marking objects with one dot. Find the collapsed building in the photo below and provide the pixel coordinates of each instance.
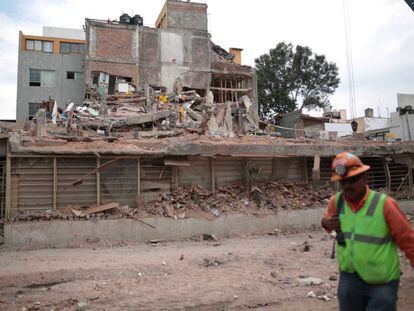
(54, 173)
(177, 55)
(166, 108)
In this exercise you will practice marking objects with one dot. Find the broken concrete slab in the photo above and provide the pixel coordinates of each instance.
(192, 114)
(141, 119)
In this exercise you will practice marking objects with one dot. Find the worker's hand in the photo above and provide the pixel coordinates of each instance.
(331, 223)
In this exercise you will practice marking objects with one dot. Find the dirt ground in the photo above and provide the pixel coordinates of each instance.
(238, 273)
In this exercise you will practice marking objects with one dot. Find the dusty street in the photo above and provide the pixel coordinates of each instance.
(239, 273)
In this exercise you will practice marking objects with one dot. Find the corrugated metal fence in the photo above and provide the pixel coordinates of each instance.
(39, 183)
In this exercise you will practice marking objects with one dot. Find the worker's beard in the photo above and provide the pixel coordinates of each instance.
(354, 194)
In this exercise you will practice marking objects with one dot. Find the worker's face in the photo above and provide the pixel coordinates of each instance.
(354, 187)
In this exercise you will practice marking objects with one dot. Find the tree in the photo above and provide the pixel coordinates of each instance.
(288, 78)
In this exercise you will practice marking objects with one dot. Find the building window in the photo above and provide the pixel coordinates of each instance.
(33, 108)
(47, 46)
(29, 45)
(71, 48)
(43, 78)
(70, 75)
(38, 45)
(74, 75)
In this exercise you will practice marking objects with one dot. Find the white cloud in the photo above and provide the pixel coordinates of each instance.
(382, 37)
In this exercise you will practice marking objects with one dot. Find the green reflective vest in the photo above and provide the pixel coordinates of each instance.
(370, 250)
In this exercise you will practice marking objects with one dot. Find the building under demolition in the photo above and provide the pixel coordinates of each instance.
(124, 55)
(166, 108)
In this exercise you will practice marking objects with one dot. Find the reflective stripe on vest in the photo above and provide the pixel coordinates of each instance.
(370, 212)
(368, 239)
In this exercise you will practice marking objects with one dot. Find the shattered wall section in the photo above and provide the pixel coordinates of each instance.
(185, 55)
(112, 49)
(149, 62)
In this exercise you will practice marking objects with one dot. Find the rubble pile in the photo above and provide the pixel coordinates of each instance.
(149, 109)
(106, 211)
(403, 194)
(266, 195)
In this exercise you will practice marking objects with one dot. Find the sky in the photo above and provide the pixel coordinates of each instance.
(382, 38)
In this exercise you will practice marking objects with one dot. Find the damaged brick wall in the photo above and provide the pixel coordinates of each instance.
(113, 50)
(115, 44)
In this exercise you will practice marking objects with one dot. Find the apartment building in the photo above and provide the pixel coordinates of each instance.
(49, 66)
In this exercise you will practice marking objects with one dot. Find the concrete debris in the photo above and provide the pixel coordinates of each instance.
(195, 201)
(149, 109)
(82, 305)
(319, 295)
(209, 237)
(208, 262)
(308, 281)
(106, 211)
(306, 247)
(222, 52)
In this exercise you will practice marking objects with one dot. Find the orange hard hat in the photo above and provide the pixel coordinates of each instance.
(346, 165)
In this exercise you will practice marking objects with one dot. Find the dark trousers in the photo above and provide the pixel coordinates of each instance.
(356, 295)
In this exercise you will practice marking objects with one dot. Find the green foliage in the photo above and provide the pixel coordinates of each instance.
(289, 78)
(250, 172)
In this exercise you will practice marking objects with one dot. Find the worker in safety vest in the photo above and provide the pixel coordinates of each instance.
(369, 228)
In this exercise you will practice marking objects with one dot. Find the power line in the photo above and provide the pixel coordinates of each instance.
(349, 60)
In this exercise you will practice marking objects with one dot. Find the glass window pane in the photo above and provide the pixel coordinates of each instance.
(74, 48)
(38, 45)
(34, 75)
(47, 77)
(78, 75)
(47, 46)
(64, 48)
(29, 45)
(82, 48)
(70, 75)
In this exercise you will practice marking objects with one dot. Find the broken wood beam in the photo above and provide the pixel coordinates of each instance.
(100, 208)
(79, 181)
(133, 217)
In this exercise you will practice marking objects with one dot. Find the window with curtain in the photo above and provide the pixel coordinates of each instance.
(43, 78)
(47, 78)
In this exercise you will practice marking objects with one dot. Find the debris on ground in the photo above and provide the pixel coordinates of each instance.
(212, 262)
(195, 201)
(209, 237)
(319, 295)
(306, 247)
(308, 281)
